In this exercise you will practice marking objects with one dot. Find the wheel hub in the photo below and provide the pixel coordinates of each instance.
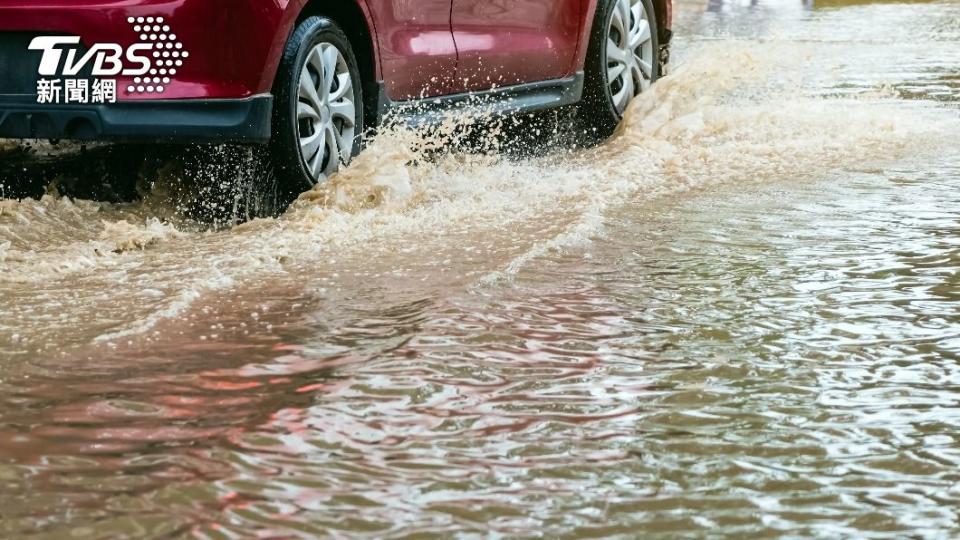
(630, 55)
(326, 112)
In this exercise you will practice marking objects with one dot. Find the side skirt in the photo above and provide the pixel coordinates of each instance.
(504, 101)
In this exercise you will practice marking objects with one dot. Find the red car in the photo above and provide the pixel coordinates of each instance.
(308, 77)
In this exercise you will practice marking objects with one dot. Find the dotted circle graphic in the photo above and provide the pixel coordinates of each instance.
(168, 54)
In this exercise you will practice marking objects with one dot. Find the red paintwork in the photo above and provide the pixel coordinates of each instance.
(417, 55)
(234, 45)
(506, 42)
(423, 47)
(589, 11)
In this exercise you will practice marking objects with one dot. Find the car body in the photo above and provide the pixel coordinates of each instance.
(208, 70)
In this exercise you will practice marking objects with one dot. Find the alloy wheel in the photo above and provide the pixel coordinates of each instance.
(326, 112)
(630, 54)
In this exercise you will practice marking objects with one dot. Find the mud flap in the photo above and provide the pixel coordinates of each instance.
(664, 56)
(664, 60)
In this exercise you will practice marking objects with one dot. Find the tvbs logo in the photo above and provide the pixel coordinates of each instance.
(107, 58)
(68, 75)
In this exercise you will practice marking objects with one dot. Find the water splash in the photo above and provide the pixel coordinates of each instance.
(726, 115)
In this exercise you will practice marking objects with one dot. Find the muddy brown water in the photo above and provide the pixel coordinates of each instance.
(739, 317)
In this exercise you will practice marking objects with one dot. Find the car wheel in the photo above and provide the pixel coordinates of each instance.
(622, 61)
(318, 108)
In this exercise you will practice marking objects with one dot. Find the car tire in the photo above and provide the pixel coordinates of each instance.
(602, 106)
(314, 132)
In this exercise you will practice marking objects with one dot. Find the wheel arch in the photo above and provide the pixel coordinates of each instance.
(356, 21)
(663, 10)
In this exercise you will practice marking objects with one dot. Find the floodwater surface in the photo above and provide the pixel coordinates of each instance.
(738, 317)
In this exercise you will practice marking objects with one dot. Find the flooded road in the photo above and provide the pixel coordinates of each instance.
(741, 316)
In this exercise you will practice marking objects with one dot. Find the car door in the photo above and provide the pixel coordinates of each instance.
(417, 53)
(507, 42)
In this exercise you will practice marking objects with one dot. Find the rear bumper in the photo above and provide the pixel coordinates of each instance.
(174, 121)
